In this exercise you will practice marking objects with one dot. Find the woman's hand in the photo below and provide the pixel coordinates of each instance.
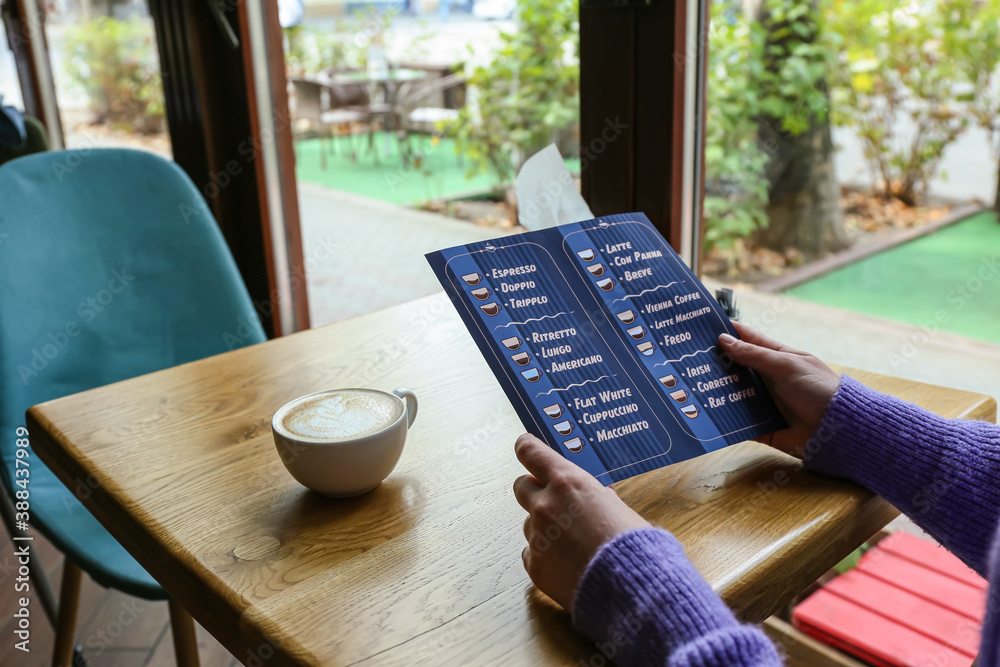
(570, 515)
(800, 384)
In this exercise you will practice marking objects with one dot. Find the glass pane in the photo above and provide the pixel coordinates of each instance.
(10, 87)
(411, 122)
(107, 75)
(843, 128)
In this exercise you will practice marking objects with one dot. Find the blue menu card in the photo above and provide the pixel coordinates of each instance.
(606, 344)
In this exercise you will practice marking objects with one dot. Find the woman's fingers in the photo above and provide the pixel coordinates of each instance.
(540, 459)
(763, 359)
(751, 335)
(526, 488)
(527, 528)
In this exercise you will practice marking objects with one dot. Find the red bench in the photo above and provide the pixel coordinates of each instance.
(908, 602)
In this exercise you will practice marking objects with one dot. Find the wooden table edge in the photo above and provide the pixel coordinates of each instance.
(55, 450)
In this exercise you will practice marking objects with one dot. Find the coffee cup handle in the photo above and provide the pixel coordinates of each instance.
(411, 404)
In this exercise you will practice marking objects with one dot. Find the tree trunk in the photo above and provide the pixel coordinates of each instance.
(804, 197)
(996, 193)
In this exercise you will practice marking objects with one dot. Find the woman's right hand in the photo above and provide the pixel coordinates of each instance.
(800, 384)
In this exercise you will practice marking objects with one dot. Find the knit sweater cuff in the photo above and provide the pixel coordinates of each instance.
(642, 600)
(870, 437)
(941, 473)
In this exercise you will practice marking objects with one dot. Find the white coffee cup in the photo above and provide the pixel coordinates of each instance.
(343, 442)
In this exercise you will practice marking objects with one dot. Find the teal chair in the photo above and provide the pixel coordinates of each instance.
(111, 266)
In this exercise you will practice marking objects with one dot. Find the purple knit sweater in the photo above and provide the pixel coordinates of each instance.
(643, 603)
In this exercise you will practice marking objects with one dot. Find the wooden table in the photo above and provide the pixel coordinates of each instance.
(426, 569)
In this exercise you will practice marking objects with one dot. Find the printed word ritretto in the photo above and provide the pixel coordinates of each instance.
(545, 337)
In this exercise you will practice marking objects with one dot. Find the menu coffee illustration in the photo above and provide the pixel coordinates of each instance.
(606, 344)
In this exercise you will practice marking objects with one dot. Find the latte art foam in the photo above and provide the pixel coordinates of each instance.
(342, 415)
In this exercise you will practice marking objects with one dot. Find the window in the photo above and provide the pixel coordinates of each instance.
(837, 133)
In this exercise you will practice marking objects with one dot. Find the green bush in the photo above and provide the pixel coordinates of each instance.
(528, 93)
(934, 63)
(734, 163)
(115, 64)
(757, 69)
(905, 61)
(309, 50)
(977, 40)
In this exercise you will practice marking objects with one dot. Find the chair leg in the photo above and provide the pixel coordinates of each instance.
(406, 148)
(372, 148)
(185, 641)
(69, 599)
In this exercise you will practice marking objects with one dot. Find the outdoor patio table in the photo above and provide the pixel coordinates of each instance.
(426, 569)
(363, 76)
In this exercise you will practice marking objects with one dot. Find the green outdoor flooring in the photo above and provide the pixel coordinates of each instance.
(441, 175)
(949, 279)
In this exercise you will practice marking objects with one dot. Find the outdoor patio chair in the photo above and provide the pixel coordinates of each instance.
(360, 96)
(414, 118)
(317, 113)
(110, 267)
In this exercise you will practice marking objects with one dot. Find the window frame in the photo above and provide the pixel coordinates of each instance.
(642, 71)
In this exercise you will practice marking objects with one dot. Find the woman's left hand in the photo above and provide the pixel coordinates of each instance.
(570, 515)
